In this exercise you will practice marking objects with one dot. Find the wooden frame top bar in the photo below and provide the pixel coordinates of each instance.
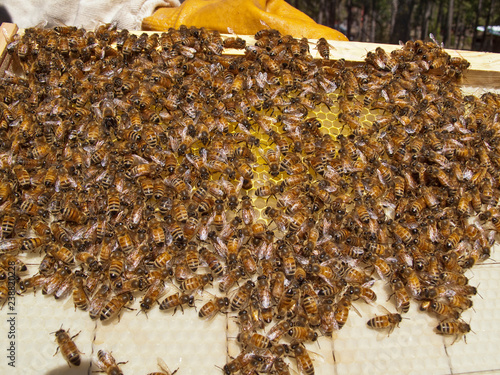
(484, 70)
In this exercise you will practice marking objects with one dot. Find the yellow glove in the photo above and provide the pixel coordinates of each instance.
(242, 16)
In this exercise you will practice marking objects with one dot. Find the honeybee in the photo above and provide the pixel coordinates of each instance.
(247, 210)
(453, 327)
(302, 334)
(388, 321)
(401, 295)
(230, 278)
(114, 306)
(270, 65)
(195, 282)
(176, 300)
(22, 176)
(268, 190)
(242, 296)
(247, 261)
(163, 366)
(54, 282)
(7, 225)
(304, 362)
(402, 233)
(152, 294)
(108, 364)
(68, 348)
(5, 191)
(287, 303)
(440, 309)
(212, 261)
(272, 157)
(212, 307)
(254, 340)
(323, 48)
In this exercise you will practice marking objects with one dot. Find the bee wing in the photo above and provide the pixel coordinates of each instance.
(265, 250)
(85, 231)
(263, 155)
(261, 79)
(243, 128)
(9, 38)
(220, 247)
(239, 185)
(331, 174)
(64, 288)
(327, 85)
(52, 283)
(164, 367)
(226, 230)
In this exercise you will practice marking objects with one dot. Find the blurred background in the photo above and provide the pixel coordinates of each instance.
(459, 24)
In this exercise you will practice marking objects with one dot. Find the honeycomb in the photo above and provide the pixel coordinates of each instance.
(348, 224)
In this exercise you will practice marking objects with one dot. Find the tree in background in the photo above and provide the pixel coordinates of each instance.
(390, 21)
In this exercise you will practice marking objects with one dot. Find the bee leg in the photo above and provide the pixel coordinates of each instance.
(75, 335)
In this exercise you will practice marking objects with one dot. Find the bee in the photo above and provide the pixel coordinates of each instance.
(157, 233)
(401, 295)
(287, 303)
(152, 294)
(213, 262)
(453, 327)
(248, 212)
(242, 296)
(247, 261)
(195, 282)
(163, 366)
(219, 217)
(454, 239)
(304, 362)
(5, 191)
(98, 300)
(388, 321)
(440, 309)
(268, 190)
(212, 307)
(302, 334)
(107, 363)
(230, 278)
(68, 348)
(254, 340)
(270, 65)
(72, 214)
(116, 264)
(22, 176)
(124, 239)
(402, 233)
(323, 48)
(383, 268)
(56, 281)
(113, 307)
(61, 253)
(350, 84)
(192, 257)
(459, 301)
(7, 225)
(176, 300)
(113, 202)
(272, 157)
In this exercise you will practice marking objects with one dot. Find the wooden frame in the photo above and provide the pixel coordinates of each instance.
(484, 70)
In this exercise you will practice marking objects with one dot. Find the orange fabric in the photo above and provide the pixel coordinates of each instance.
(242, 16)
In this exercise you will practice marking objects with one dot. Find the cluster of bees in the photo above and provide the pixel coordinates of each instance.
(133, 162)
